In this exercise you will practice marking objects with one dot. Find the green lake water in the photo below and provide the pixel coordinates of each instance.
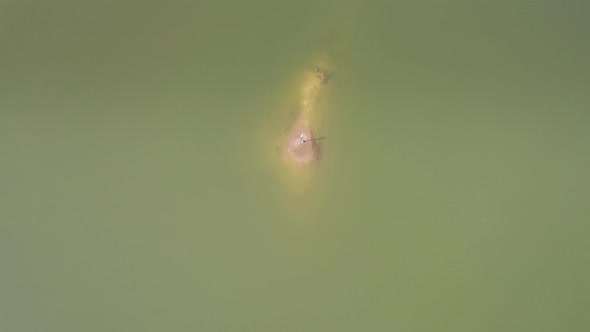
(140, 188)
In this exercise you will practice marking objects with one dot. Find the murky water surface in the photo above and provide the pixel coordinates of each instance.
(145, 185)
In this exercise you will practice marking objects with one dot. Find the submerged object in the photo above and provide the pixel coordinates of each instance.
(299, 141)
(300, 146)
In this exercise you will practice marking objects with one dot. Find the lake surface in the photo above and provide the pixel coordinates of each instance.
(140, 187)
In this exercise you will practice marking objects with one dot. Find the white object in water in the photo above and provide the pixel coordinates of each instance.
(302, 137)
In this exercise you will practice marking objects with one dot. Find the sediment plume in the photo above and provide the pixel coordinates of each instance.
(301, 146)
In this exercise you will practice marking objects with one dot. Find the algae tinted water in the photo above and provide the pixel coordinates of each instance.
(140, 188)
